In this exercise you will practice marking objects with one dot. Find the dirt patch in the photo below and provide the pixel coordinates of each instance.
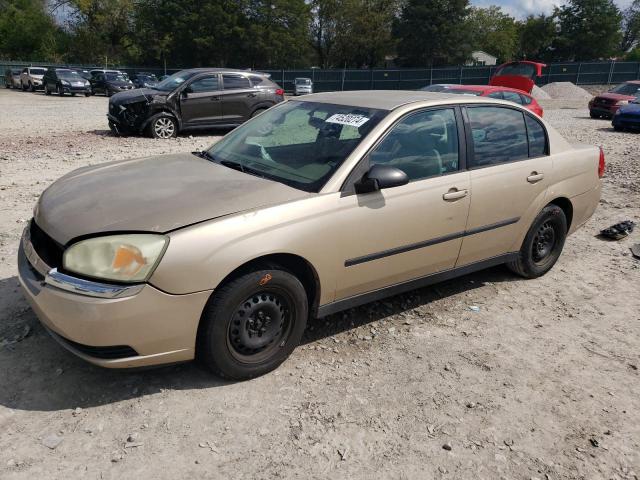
(539, 94)
(538, 380)
(566, 91)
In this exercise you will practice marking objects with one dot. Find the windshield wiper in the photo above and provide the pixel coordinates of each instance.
(204, 154)
(243, 168)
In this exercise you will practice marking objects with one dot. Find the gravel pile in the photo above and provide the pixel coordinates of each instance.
(540, 94)
(566, 91)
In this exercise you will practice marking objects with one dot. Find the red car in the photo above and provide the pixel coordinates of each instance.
(519, 75)
(502, 93)
(607, 104)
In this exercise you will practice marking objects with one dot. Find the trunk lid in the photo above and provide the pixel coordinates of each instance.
(519, 75)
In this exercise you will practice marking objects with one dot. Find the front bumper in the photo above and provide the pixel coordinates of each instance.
(608, 111)
(148, 327)
(74, 89)
(626, 121)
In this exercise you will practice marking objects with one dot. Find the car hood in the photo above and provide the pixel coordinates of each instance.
(118, 83)
(136, 95)
(631, 109)
(153, 194)
(615, 96)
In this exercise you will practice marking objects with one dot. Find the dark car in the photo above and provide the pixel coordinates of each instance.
(12, 78)
(607, 104)
(110, 82)
(143, 79)
(196, 98)
(627, 116)
(64, 80)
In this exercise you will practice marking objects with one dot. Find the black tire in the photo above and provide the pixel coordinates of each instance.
(258, 112)
(252, 324)
(543, 244)
(618, 128)
(108, 93)
(594, 115)
(60, 91)
(31, 87)
(22, 87)
(46, 90)
(163, 126)
(87, 94)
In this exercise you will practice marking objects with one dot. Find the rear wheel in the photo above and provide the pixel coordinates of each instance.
(258, 112)
(23, 87)
(252, 324)
(163, 127)
(543, 243)
(87, 94)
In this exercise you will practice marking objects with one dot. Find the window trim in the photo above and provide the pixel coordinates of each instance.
(469, 135)
(230, 74)
(356, 173)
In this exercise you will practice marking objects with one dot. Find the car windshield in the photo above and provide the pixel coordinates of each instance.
(300, 144)
(69, 75)
(174, 81)
(303, 81)
(115, 77)
(147, 78)
(464, 91)
(37, 71)
(627, 89)
(518, 69)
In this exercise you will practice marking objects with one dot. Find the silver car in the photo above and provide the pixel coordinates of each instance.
(31, 78)
(302, 86)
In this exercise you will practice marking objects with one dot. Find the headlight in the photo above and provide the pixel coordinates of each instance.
(121, 258)
(64, 82)
(622, 102)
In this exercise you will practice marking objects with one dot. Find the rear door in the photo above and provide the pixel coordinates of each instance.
(509, 167)
(238, 97)
(200, 102)
(400, 234)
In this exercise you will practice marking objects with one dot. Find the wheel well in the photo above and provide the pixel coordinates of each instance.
(294, 264)
(567, 208)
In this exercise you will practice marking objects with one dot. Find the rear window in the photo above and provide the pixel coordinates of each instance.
(37, 71)
(518, 69)
(464, 91)
(499, 136)
(257, 80)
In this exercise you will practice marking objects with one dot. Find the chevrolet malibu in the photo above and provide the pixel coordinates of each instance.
(315, 206)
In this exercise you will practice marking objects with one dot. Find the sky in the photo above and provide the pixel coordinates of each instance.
(522, 8)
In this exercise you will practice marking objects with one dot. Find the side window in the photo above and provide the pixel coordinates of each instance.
(537, 138)
(206, 84)
(512, 97)
(256, 80)
(525, 100)
(499, 135)
(422, 145)
(233, 82)
(497, 95)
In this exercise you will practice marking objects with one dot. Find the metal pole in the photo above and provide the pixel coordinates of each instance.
(578, 75)
(611, 72)
(460, 80)
(343, 72)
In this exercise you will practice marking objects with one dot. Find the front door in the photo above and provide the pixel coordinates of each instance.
(507, 167)
(403, 233)
(200, 102)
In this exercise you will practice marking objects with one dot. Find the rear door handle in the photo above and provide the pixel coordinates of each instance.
(251, 95)
(535, 177)
(215, 99)
(455, 194)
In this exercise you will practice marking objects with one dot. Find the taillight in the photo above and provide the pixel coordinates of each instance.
(279, 91)
(601, 164)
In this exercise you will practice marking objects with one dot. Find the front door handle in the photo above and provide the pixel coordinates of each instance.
(455, 194)
(535, 177)
(215, 99)
(251, 95)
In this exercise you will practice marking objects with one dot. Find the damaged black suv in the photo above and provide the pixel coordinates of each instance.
(189, 99)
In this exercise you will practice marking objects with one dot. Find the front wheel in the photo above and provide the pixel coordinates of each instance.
(31, 87)
(594, 115)
(46, 90)
(543, 243)
(163, 127)
(87, 94)
(60, 91)
(252, 324)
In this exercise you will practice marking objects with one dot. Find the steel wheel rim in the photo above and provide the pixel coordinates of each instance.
(164, 128)
(544, 243)
(260, 326)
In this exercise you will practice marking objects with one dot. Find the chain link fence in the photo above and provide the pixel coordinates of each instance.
(585, 73)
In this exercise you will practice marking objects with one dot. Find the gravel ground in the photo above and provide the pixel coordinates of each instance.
(540, 383)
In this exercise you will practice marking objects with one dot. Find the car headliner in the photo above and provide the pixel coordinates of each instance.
(379, 99)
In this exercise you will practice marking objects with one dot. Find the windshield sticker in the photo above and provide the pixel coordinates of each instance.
(348, 119)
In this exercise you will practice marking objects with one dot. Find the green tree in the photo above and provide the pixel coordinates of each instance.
(630, 27)
(493, 31)
(588, 30)
(432, 32)
(536, 37)
(27, 31)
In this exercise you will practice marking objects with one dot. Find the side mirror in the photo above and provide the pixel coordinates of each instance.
(379, 177)
(186, 91)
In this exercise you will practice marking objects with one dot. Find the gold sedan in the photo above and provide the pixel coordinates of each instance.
(315, 206)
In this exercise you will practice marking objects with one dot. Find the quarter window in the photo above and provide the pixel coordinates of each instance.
(499, 136)
(232, 82)
(497, 95)
(537, 137)
(206, 84)
(422, 145)
(512, 97)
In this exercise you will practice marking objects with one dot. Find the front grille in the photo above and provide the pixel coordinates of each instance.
(105, 353)
(604, 101)
(46, 247)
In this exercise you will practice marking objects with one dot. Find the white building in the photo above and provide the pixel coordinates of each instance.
(481, 58)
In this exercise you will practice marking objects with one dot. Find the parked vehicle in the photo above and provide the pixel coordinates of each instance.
(83, 73)
(438, 87)
(31, 78)
(520, 75)
(197, 98)
(110, 82)
(627, 117)
(302, 86)
(317, 205)
(607, 104)
(12, 78)
(500, 93)
(142, 79)
(64, 80)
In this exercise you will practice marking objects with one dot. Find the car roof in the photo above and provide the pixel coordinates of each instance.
(224, 70)
(380, 99)
(487, 88)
